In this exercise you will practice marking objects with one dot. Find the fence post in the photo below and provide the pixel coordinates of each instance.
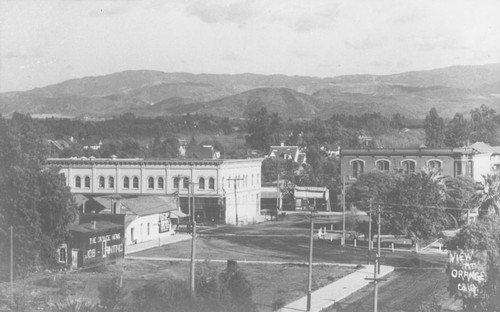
(354, 243)
(392, 247)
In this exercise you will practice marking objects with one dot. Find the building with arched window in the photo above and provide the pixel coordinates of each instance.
(473, 161)
(209, 181)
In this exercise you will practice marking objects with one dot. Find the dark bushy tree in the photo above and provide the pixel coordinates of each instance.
(434, 129)
(457, 132)
(262, 129)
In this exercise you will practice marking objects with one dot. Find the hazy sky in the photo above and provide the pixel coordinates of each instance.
(48, 41)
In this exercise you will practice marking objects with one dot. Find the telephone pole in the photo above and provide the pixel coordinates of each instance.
(370, 231)
(236, 197)
(11, 264)
(309, 276)
(193, 238)
(343, 210)
(376, 267)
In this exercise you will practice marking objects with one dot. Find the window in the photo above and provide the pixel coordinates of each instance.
(102, 182)
(383, 165)
(408, 166)
(185, 183)
(62, 254)
(126, 183)
(135, 183)
(201, 184)
(151, 183)
(111, 182)
(176, 183)
(87, 182)
(160, 183)
(458, 168)
(211, 183)
(357, 168)
(252, 179)
(78, 182)
(434, 164)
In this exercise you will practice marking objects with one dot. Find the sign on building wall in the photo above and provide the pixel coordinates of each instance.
(164, 223)
(467, 272)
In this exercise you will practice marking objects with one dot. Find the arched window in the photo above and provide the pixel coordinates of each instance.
(135, 183)
(201, 183)
(358, 168)
(102, 182)
(185, 183)
(211, 183)
(151, 183)
(408, 166)
(87, 182)
(111, 182)
(78, 182)
(160, 183)
(126, 183)
(383, 165)
(176, 183)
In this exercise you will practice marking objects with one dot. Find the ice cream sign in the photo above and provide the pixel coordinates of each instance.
(467, 272)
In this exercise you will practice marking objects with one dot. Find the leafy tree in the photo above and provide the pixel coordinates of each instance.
(483, 126)
(404, 201)
(457, 133)
(487, 197)
(262, 128)
(459, 193)
(434, 129)
(482, 236)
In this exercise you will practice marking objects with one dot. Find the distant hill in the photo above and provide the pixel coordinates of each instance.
(153, 93)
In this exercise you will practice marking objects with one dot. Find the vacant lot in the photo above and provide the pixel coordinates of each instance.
(273, 285)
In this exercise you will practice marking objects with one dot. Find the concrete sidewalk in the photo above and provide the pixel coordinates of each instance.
(336, 291)
(156, 243)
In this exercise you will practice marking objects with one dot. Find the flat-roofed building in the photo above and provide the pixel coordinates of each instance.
(453, 162)
(210, 181)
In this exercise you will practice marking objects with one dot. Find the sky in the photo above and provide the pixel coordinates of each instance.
(44, 42)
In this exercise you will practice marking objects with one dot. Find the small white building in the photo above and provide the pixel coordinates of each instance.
(146, 217)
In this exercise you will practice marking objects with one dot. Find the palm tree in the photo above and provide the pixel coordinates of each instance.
(487, 196)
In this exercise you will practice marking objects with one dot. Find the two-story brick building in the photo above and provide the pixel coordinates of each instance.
(467, 161)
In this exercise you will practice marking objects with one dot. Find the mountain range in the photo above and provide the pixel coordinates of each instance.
(456, 89)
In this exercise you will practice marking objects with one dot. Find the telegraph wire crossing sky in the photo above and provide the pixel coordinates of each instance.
(44, 42)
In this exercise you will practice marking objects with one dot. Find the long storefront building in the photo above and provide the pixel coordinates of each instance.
(224, 190)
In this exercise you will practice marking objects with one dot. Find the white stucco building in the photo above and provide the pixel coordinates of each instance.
(211, 182)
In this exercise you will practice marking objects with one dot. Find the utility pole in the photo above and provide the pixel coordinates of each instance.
(343, 210)
(370, 231)
(376, 268)
(193, 238)
(378, 239)
(11, 264)
(278, 195)
(309, 280)
(236, 197)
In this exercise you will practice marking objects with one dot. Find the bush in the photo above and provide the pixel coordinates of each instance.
(111, 294)
(74, 305)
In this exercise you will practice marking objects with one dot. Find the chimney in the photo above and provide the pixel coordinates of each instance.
(282, 143)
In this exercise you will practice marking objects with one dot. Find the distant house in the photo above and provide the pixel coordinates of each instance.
(182, 147)
(57, 146)
(146, 217)
(202, 152)
(92, 143)
(288, 153)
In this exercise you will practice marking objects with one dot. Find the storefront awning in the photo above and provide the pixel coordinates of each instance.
(176, 214)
